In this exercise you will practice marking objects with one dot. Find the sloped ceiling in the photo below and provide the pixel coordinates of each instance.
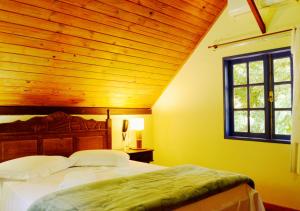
(103, 53)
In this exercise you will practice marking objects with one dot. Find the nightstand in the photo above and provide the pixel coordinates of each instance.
(141, 155)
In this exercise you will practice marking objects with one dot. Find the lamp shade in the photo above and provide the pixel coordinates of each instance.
(137, 124)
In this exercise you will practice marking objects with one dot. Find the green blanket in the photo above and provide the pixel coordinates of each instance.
(159, 190)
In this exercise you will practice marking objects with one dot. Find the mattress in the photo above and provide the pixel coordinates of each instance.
(18, 196)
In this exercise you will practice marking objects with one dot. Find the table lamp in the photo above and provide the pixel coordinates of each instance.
(137, 125)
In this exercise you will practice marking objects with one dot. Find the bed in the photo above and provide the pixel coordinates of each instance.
(62, 134)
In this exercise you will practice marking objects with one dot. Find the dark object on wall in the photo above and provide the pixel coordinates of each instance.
(124, 129)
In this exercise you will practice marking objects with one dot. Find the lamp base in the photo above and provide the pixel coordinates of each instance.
(138, 144)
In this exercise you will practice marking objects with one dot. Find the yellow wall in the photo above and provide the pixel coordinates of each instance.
(188, 117)
(117, 121)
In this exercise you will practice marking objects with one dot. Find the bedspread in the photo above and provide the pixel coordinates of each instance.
(158, 190)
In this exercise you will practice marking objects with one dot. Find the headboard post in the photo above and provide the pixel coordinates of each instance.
(108, 126)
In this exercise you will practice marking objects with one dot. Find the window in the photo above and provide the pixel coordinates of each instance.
(258, 96)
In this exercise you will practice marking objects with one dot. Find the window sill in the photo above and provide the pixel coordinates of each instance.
(241, 138)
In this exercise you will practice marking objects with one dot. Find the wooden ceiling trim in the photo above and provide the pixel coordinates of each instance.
(83, 23)
(84, 33)
(106, 20)
(34, 110)
(149, 13)
(135, 20)
(46, 35)
(86, 59)
(257, 16)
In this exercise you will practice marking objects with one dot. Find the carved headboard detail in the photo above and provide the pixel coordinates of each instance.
(55, 134)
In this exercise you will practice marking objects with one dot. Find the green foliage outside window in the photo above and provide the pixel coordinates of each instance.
(261, 95)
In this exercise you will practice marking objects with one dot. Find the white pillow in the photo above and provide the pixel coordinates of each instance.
(33, 166)
(100, 158)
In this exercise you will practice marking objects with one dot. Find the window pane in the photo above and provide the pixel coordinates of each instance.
(257, 121)
(256, 72)
(282, 70)
(283, 122)
(257, 97)
(282, 94)
(240, 121)
(239, 74)
(240, 97)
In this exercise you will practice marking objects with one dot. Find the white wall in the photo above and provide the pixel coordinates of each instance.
(188, 117)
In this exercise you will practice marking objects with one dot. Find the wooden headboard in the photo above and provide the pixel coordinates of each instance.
(55, 134)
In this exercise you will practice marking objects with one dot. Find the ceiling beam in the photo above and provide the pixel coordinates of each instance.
(45, 110)
(257, 16)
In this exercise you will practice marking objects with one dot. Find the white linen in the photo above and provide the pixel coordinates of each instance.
(18, 196)
(295, 137)
(100, 157)
(33, 166)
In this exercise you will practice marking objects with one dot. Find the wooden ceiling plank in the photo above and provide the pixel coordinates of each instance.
(75, 86)
(46, 97)
(43, 89)
(66, 93)
(201, 9)
(95, 52)
(82, 42)
(79, 74)
(74, 103)
(41, 100)
(149, 13)
(52, 49)
(31, 56)
(169, 8)
(136, 20)
(84, 23)
(98, 17)
(70, 30)
(257, 16)
(16, 74)
(217, 3)
(114, 72)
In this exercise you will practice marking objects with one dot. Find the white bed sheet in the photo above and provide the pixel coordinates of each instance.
(18, 196)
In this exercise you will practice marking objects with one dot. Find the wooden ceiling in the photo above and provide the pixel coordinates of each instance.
(96, 53)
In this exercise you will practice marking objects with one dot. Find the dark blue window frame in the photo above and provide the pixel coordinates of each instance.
(267, 57)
